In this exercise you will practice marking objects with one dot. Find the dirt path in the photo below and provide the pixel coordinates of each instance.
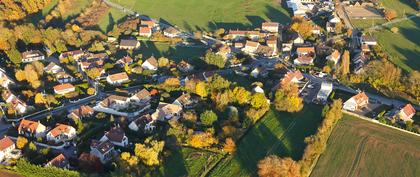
(356, 161)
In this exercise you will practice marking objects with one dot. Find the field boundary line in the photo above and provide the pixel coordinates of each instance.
(356, 161)
(281, 138)
(376, 122)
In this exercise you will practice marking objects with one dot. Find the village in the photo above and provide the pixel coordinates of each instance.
(81, 109)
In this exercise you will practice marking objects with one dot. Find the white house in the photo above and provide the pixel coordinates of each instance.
(324, 91)
(116, 136)
(251, 46)
(61, 133)
(145, 31)
(171, 32)
(166, 111)
(129, 44)
(406, 113)
(104, 150)
(83, 111)
(52, 68)
(125, 60)
(356, 102)
(31, 128)
(150, 64)
(6, 147)
(14, 101)
(64, 88)
(114, 102)
(5, 81)
(60, 162)
(334, 57)
(140, 122)
(259, 72)
(185, 101)
(297, 39)
(32, 55)
(272, 27)
(368, 40)
(304, 60)
(117, 79)
(142, 97)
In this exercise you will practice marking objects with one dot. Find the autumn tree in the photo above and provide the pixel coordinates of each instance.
(394, 29)
(21, 142)
(287, 98)
(172, 83)
(345, 63)
(201, 140)
(230, 146)
(163, 62)
(149, 152)
(214, 59)
(390, 14)
(93, 73)
(201, 89)
(259, 106)
(301, 26)
(91, 91)
(208, 117)
(383, 74)
(241, 95)
(274, 166)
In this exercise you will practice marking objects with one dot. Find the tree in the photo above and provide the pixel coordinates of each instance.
(125, 155)
(149, 152)
(345, 64)
(327, 69)
(230, 146)
(301, 26)
(91, 91)
(394, 29)
(93, 73)
(21, 142)
(39, 98)
(32, 146)
(214, 59)
(241, 95)
(201, 89)
(172, 83)
(258, 100)
(202, 140)
(218, 83)
(274, 166)
(163, 62)
(208, 117)
(287, 98)
(390, 14)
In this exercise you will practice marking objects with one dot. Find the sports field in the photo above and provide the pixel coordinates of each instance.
(360, 148)
(277, 133)
(192, 15)
(404, 46)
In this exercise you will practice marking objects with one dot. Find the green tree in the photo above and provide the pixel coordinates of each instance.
(287, 99)
(258, 100)
(214, 59)
(241, 95)
(208, 117)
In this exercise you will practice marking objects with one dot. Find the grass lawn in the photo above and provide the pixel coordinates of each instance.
(403, 47)
(277, 133)
(361, 148)
(401, 6)
(76, 8)
(176, 53)
(186, 162)
(366, 23)
(107, 22)
(192, 15)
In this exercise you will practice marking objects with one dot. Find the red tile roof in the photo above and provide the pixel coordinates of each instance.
(63, 87)
(118, 77)
(408, 110)
(59, 161)
(360, 98)
(29, 125)
(5, 143)
(290, 76)
(59, 129)
(270, 24)
(251, 44)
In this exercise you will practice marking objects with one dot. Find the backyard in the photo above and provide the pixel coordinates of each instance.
(357, 148)
(194, 15)
(404, 46)
(277, 133)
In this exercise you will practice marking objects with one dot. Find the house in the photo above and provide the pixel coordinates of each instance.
(31, 128)
(238, 45)
(251, 46)
(5, 81)
(104, 150)
(224, 51)
(291, 77)
(304, 60)
(305, 51)
(166, 111)
(356, 102)
(297, 39)
(406, 113)
(61, 133)
(62, 77)
(32, 55)
(52, 68)
(142, 97)
(14, 102)
(141, 122)
(150, 64)
(365, 49)
(258, 89)
(359, 60)
(6, 147)
(75, 54)
(129, 44)
(60, 162)
(114, 102)
(116, 136)
(316, 30)
(171, 32)
(272, 43)
(117, 79)
(127, 60)
(272, 27)
(145, 31)
(64, 88)
(368, 40)
(330, 27)
(334, 57)
(83, 111)
(286, 47)
(324, 92)
(259, 72)
(185, 67)
(147, 23)
(237, 35)
(186, 101)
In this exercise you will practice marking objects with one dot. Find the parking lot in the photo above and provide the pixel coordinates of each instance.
(310, 91)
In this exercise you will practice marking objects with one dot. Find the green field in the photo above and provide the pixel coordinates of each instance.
(186, 162)
(357, 147)
(401, 6)
(366, 23)
(403, 47)
(277, 133)
(192, 15)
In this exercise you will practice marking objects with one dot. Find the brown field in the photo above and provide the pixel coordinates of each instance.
(363, 12)
(361, 148)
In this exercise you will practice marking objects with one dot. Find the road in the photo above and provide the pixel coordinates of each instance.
(393, 21)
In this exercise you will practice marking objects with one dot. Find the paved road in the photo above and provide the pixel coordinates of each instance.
(394, 21)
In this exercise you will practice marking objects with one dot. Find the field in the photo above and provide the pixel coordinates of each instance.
(404, 46)
(361, 148)
(192, 15)
(366, 23)
(401, 6)
(186, 162)
(277, 133)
